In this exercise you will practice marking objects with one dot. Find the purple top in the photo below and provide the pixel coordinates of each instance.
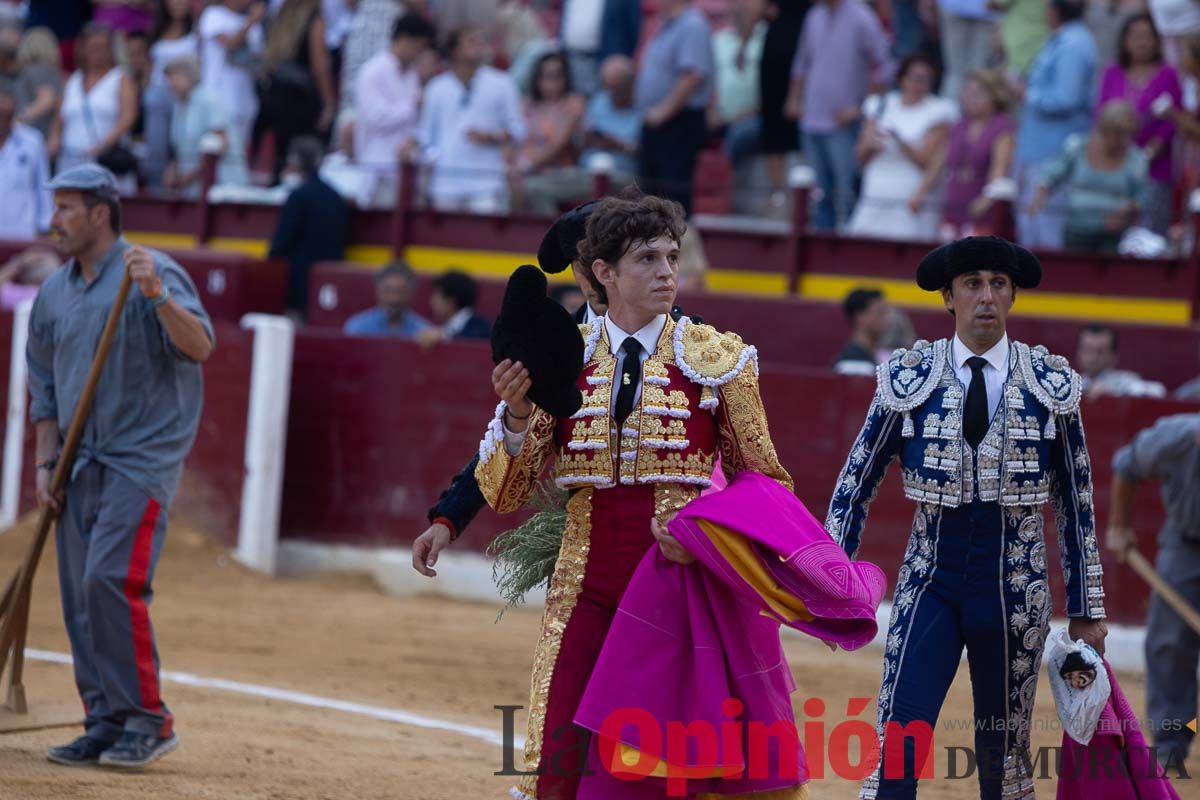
(1115, 85)
(968, 164)
(839, 47)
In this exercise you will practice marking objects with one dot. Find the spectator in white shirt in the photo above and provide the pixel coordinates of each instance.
(387, 107)
(196, 115)
(231, 43)
(24, 173)
(470, 120)
(369, 35)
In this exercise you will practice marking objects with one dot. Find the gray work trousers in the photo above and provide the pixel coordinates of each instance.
(1173, 653)
(109, 538)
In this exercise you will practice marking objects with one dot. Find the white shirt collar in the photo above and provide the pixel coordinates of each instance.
(458, 321)
(647, 337)
(997, 356)
(590, 315)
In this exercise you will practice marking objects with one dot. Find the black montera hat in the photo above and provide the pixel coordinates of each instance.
(538, 332)
(561, 242)
(944, 264)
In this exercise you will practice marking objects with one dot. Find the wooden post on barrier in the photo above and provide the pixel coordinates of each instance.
(1193, 256)
(1002, 217)
(801, 180)
(406, 182)
(211, 147)
(601, 166)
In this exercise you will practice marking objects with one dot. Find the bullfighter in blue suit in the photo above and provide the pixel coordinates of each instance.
(987, 430)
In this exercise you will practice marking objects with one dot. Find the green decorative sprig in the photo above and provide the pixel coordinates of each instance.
(525, 556)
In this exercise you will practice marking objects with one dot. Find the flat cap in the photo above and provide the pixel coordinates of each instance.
(87, 178)
(975, 253)
(560, 245)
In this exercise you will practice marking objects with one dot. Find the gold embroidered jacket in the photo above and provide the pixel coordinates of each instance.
(699, 398)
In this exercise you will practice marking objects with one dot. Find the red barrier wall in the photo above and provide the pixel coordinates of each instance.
(792, 331)
(378, 427)
(211, 489)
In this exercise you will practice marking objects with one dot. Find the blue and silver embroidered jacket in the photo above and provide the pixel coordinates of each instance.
(1033, 451)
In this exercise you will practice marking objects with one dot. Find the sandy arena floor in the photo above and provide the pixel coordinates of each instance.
(342, 638)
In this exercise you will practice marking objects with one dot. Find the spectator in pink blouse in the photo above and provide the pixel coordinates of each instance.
(980, 151)
(1140, 77)
(553, 116)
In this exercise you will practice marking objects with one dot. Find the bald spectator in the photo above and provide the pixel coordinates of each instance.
(392, 315)
(674, 87)
(612, 124)
(1096, 360)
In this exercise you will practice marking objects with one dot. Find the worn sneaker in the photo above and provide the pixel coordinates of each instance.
(82, 752)
(136, 750)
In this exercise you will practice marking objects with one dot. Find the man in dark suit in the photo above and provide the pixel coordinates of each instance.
(453, 305)
(312, 224)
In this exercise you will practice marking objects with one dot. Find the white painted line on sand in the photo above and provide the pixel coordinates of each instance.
(310, 700)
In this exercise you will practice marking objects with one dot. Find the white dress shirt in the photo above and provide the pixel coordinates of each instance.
(581, 23)
(466, 174)
(994, 374)
(387, 99)
(647, 337)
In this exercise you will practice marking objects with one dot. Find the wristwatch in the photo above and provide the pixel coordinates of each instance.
(162, 297)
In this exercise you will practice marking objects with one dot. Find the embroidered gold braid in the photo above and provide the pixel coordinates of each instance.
(560, 602)
(508, 481)
(742, 432)
(669, 498)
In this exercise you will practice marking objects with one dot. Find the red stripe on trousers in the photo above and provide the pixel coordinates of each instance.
(139, 615)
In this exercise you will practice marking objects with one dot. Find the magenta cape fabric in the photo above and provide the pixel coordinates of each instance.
(1108, 768)
(686, 638)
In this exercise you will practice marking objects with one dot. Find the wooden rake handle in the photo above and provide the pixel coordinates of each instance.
(1174, 599)
(14, 614)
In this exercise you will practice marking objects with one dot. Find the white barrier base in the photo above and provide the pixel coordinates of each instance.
(468, 576)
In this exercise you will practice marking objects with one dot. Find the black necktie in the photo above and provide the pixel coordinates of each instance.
(631, 377)
(975, 414)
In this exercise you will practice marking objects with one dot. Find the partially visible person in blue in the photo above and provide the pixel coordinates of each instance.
(1060, 97)
(987, 430)
(112, 516)
(392, 315)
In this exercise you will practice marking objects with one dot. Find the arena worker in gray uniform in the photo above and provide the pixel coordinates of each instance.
(113, 513)
(1169, 452)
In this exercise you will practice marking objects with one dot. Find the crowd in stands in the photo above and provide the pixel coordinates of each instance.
(916, 116)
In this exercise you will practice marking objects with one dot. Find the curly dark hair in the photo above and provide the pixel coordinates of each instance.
(619, 224)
